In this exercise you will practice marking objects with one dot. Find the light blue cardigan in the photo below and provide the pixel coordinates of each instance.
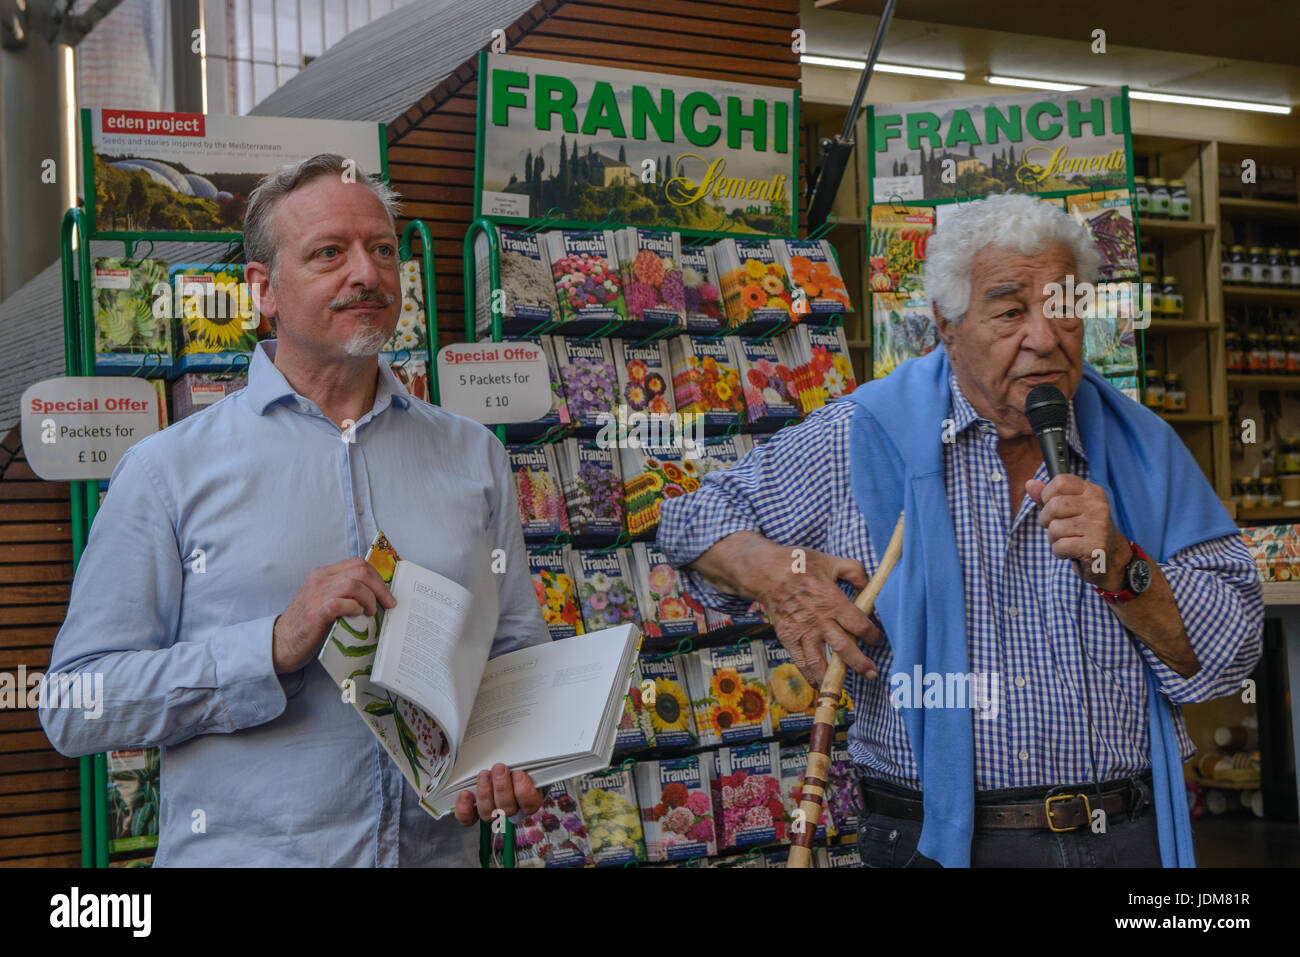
(1158, 498)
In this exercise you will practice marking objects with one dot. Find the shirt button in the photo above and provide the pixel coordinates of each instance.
(1013, 611)
(1020, 682)
(995, 476)
(1023, 755)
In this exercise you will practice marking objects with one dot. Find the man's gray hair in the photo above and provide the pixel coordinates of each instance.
(1011, 221)
(261, 244)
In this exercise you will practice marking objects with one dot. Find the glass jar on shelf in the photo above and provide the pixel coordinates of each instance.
(1239, 263)
(1277, 268)
(1250, 492)
(1155, 397)
(1159, 198)
(1288, 456)
(1235, 360)
(1256, 352)
(1142, 195)
(1258, 266)
(1276, 362)
(1293, 268)
(1270, 494)
(1180, 204)
(1175, 393)
(1148, 262)
(1171, 297)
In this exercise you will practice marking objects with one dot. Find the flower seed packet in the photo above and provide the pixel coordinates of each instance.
(526, 298)
(593, 487)
(556, 835)
(538, 490)
(706, 379)
(793, 700)
(667, 610)
(556, 420)
(410, 340)
(755, 286)
(133, 799)
(609, 808)
(668, 701)
(842, 790)
(719, 454)
(902, 327)
(729, 694)
(652, 276)
(650, 475)
(216, 319)
(133, 316)
(413, 374)
(590, 382)
(195, 391)
(777, 856)
(720, 623)
(703, 301)
(605, 587)
(676, 809)
(644, 377)
(794, 764)
(822, 368)
(635, 732)
(841, 855)
(768, 384)
(556, 591)
(815, 278)
(588, 282)
(746, 791)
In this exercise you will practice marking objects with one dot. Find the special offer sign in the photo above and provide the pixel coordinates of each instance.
(186, 173)
(77, 427)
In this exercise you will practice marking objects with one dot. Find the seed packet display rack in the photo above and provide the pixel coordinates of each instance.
(79, 360)
(488, 227)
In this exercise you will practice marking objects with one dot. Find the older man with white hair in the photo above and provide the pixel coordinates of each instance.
(1080, 611)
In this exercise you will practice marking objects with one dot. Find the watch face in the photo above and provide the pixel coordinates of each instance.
(1139, 576)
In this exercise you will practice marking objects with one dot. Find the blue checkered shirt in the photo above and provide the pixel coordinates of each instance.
(1024, 607)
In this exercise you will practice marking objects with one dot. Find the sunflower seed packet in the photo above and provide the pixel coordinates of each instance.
(667, 701)
(609, 807)
(216, 318)
(128, 323)
(729, 694)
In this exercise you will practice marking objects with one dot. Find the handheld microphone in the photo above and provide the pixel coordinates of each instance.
(1048, 413)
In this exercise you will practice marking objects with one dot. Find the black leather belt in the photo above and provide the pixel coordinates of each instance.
(1056, 809)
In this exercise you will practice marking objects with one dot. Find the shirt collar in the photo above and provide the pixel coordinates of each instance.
(964, 415)
(267, 384)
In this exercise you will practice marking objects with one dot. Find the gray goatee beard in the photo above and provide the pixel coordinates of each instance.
(365, 342)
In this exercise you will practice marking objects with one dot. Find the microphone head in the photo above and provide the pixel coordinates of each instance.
(1046, 408)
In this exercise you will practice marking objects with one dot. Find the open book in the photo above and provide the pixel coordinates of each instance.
(419, 675)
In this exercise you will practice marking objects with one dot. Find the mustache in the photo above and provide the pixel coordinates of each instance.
(362, 295)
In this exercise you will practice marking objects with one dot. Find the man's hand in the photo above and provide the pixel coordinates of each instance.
(809, 611)
(347, 588)
(498, 788)
(1076, 514)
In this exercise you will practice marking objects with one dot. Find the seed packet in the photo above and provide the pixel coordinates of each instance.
(644, 376)
(676, 810)
(527, 292)
(556, 592)
(669, 703)
(720, 623)
(609, 807)
(746, 792)
(605, 587)
(650, 262)
(776, 856)
(557, 835)
(651, 475)
(590, 382)
(160, 388)
(815, 277)
(585, 268)
(413, 373)
(898, 248)
(133, 801)
(635, 732)
(729, 694)
(667, 610)
(793, 699)
(902, 328)
(539, 492)
(411, 337)
(753, 859)
(1108, 215)
(593, 487)
(822, 369)
(794, 764)
(720, 453)
(842, 790)
(215, 316)
(755, 286)
(557, 419)
(768, 384)
(703, 301)
(195, 391)
(131, 331)
(706, 379)
(841, 855)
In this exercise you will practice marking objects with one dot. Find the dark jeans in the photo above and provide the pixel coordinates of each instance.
(1130, 840)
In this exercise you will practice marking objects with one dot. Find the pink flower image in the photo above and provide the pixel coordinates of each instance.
(699, 803)
(701, 831)
(648, 267)
(662, 578)
(679, 820)
(671, 609)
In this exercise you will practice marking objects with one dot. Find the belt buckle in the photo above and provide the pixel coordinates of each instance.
(1087, 806)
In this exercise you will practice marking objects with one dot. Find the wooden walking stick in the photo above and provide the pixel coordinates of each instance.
(828, 700)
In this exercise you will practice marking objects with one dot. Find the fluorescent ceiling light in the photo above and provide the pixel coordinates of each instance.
(882, 67)
(1144, 95)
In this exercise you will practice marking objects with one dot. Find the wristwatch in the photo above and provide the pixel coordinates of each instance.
(1137, 578)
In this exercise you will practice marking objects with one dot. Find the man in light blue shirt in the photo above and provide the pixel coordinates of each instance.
(229, 542)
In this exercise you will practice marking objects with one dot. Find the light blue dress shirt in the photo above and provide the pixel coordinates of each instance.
(260, 769)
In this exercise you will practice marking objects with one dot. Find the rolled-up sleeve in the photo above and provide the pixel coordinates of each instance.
(1221, 602)
(119, 639)
(785, 490)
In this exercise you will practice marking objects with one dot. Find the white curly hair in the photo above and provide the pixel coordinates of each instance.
(1012, 221)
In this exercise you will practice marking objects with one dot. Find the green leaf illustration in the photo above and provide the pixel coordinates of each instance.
(354, 651)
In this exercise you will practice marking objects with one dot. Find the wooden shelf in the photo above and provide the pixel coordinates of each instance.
(1266, 209)
(1281, 593)
(1227, 785)
(1179, 325)
(1172, 228)
(1284, 383)
(1286, 513)
(1191, 418)
(1261, 294)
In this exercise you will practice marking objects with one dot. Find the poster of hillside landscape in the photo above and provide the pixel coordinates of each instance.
(156, 172)
(1032, 142)
(577, 143)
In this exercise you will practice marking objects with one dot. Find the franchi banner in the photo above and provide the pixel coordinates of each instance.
(176, 174)
(1032, 142)
(584, 144)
